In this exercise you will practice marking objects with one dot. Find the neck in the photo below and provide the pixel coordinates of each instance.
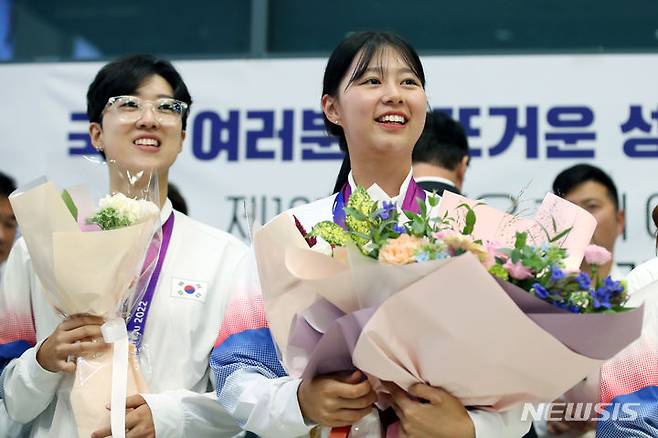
(424, 170)
(119, 184)
(387, 174)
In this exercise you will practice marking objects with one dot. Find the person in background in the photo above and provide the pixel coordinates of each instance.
(12, 342)
(440, 156)
(176, 198)
(592, 189)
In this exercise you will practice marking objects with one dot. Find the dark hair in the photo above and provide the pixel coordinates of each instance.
(176, 198)
(367, 45)
(7, 185)
(574, 176)
(443, 142)
(125, 75)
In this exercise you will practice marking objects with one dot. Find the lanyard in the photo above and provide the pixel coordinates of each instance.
(137, 320)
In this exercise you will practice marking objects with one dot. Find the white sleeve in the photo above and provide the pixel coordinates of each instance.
(264, 405)
(183, 413)
(28, 388)
(506, 424)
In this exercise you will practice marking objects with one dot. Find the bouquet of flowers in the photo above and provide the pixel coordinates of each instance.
(94, 260)
(490, 307)
(379, 233)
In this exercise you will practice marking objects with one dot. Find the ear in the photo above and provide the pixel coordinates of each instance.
(461, 170)
(331, 109)
(96, 134)
(183, 135)
(621, 222)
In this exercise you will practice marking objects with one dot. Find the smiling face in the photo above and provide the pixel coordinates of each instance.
(382, 112)
(146, 143)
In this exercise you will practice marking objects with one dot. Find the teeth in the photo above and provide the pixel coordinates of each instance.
(392, 118)
(147, 142)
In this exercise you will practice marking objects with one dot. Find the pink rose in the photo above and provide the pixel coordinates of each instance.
(517, 270)
(400, 251)
(597, 255)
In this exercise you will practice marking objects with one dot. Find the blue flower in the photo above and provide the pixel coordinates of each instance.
(574, 309)
(584, 280)
(399, 229)
(556, 273)
(601, 298)
(385, 212)
(614, 287)
(422, 257)
(441, 255)
(540, 291)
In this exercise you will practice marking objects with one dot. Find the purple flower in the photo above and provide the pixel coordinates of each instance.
(399, 229)
(385, 212)
(574, 309)
(584, 280)
(614, 287)
(540, 291)
(556, 273)
(601, 298)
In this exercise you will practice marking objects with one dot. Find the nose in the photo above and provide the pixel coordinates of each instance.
(147, 118)
(392, 94)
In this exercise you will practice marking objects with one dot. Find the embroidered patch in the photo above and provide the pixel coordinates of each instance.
(189, 289)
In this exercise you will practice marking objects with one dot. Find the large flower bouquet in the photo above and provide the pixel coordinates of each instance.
(490, 307)
(381, 233)
(94, 258)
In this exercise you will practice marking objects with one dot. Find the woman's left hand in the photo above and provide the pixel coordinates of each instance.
(139, 420)
(429, 412)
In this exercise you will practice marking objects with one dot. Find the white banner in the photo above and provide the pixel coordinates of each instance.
(255, 133)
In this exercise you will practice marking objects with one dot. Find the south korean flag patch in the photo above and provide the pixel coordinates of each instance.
(189, 289)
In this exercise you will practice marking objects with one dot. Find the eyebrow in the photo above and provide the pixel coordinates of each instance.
(379, 69)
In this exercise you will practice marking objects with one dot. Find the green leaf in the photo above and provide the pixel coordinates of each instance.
(433, 200)
(521, 239)
(68, 201)
(470, 222)
(561, 235)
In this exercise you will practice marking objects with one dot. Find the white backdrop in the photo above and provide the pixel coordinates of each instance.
(254, 133)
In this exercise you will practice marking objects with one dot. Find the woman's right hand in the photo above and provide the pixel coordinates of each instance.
(76, 336)
(336, 401)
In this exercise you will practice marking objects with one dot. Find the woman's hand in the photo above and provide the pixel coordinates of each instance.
(334, 401)
(76, 336)
(428, 412)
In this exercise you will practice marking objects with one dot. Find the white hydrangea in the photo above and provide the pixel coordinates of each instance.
(135, 210)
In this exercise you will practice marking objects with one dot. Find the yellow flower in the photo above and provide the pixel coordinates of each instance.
(401, 250)
(458, 241)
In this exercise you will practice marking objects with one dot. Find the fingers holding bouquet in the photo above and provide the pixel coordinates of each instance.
(336, 400)
(77, 335)
(426, 411)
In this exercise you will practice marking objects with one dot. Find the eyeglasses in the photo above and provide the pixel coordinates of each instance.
(129, 109)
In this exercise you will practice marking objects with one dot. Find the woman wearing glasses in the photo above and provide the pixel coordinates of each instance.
(138, 108)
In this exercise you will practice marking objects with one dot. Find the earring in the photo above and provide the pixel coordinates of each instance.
(100, 148)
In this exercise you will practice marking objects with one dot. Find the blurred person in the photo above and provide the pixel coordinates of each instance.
(7, 219)
(440, 156)
(592, 189)
(11, 343)
(177, 201)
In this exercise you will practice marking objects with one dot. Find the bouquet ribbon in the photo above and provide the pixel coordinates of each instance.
(114, 332)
